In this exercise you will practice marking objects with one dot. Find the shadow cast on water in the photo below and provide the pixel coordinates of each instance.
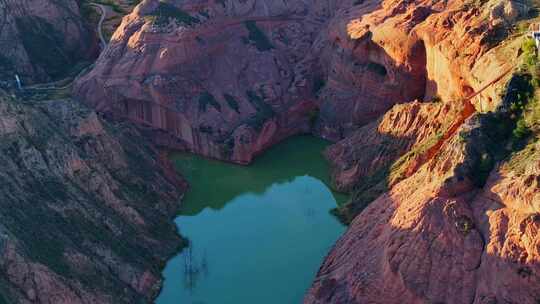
(214, 183)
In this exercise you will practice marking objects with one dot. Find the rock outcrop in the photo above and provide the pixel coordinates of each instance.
(42, 39)
(216, 78)
(228, 79)
(433, 239)
(436, 237)
(448, 200)
(85, 207)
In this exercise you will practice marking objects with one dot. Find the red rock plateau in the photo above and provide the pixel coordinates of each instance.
(445, 202)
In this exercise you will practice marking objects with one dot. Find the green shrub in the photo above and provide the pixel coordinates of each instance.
(167, 11)
(232, 102)
(436, 99)
(464, 224)
(377, 68)
(318, 85)
(313, 116)
(115, 7)
(206, 99)
(528, 46)
(521, 131)
(258, 37)
(482, 168)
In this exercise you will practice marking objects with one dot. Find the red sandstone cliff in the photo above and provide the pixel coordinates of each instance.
(447, 216)
(229, 79)
(437, 238)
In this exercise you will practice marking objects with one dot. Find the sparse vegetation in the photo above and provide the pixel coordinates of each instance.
(232, 102)
(264, 111)
(318, 85)
(314, 116)
(464, 224)
(377, 68)
(258, 37)
(114, 5)
(436, 99)
(166, 12)
(509, 129)
(206, 99)
(44, 44)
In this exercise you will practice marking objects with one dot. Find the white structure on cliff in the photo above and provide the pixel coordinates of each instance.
(535, 33)
(18, 80)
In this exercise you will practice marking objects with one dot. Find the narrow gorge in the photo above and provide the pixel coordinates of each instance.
(315, 151)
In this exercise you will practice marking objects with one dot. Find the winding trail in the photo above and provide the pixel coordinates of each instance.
(103, 10)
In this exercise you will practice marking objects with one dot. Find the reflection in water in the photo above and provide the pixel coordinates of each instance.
(193, 268)
(215, 184)
(263, 229)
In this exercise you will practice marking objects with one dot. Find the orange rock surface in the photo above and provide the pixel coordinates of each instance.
(435, 234)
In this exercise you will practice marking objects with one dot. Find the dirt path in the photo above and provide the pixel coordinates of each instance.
(103, 10)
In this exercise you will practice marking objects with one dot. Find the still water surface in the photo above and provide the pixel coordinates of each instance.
(257, 234)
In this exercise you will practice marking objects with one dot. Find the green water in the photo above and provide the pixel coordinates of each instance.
(257, 234)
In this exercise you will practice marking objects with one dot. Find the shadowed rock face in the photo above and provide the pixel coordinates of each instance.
(42, 39)
(85, 207)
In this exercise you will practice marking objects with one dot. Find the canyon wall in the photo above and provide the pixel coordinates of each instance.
(436, 237)
(42, 39)
(85, 207)
(445, 202)
(441, 211)
(228, 79)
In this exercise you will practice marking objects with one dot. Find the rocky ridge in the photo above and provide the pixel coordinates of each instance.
(452, 221)
(72, 186)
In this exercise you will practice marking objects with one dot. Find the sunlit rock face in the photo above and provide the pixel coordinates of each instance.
(220, 78)
(228, 79)
(438, 227)
(42, 39)
(436, 237)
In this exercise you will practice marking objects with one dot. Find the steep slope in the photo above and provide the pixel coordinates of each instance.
(436, 237)
(448, 205)
(85, 207)
(466, 52)
(378, 53)
(42, 39)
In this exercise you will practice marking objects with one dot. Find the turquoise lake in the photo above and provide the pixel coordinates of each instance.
(258, 234)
